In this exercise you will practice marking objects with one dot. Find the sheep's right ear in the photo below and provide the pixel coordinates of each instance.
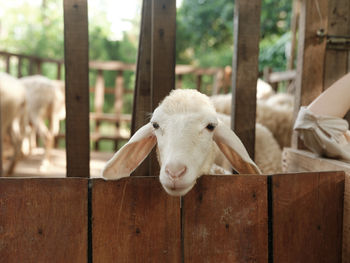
(234, 150)
(126, 160)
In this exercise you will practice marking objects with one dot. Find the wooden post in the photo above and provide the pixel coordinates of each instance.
(59, 66)
(8, 65)
(311, 54)
(179, 81)
(142, 92)
(118, 101)
(245, 70)
(163, 56)
(77, 87)
(199, 82)
(19, 67)
(38, 67)
(99, 100)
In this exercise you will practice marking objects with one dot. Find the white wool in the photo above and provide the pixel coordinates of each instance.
(45, 100)
(268, 154)
(13, 114)
(275, 113)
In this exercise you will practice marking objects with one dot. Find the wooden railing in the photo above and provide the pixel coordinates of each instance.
(29, 65)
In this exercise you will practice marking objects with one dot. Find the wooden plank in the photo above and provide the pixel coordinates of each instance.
(304, 161)
(162, 57)
(245, 70)
(163, 49)
(307, 217)
(311, 56)
(77, 87)
(225, 220)
(134, 220)
(43, 220)
(142, 92)
(336, 62)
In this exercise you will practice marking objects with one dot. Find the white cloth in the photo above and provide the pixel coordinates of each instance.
(324, 135)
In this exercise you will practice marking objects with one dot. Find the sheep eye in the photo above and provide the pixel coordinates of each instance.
(210, 127)
(155, 125)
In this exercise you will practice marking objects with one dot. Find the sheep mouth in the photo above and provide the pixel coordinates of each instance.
(178, 190)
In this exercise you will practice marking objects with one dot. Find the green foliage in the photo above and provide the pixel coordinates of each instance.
(205, 32)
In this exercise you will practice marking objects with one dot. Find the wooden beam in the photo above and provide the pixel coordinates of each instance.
(225, 219)
(43, 220)
(311, 55)
(77, 87)
(135, 220)
(245, 70)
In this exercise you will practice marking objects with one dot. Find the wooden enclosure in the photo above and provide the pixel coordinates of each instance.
(324, 33)
(238, 218)
(294, 217)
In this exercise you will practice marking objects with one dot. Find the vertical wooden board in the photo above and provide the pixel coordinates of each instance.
(245, 70)
(142, 93)
(77, 87)
(162, 57)
(225, 220)
(311, 55)
(307, 217)
(336, 63)
(134, 220)
(163, 49)
(43, 220)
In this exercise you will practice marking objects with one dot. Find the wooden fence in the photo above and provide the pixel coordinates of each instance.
(238, 218)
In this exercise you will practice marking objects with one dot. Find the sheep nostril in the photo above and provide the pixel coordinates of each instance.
(175, 171)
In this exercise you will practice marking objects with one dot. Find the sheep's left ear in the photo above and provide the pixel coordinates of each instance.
(234, 150)
(126, 160)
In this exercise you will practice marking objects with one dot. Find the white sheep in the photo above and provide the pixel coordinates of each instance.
(278, 119)
(268, 154)
(275, 113)
(223, 102)
(45, 100)
(13, 115)
(188, 134)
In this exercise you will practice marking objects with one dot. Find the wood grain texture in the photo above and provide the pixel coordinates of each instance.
(162, 58)
(304, 161)
(43, 220)
(311, 55)
(163, 49)
(77, 87)
(142, 93)
(336, 63)
(225, 220)
(307, 217)
(134, 220)
(245, 70)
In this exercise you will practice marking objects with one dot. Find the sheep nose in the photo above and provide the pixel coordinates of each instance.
(175, 170)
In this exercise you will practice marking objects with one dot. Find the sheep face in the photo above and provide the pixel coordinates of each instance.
(185, 148)
(186, 129)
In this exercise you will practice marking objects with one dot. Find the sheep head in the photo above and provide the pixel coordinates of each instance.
(186, 130)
